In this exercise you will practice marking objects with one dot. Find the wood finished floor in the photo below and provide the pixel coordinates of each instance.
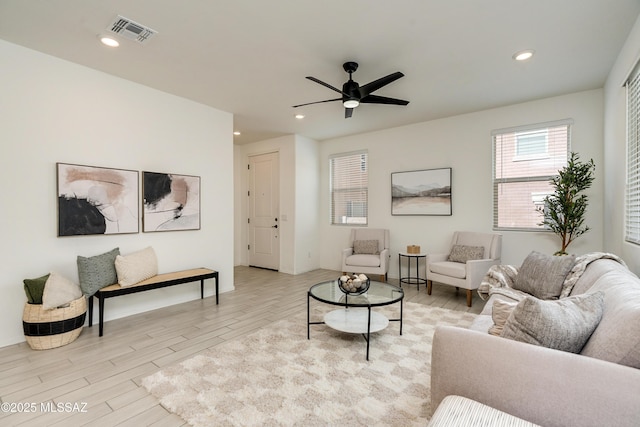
(105, 372)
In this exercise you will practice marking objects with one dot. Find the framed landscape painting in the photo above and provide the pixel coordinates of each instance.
(421, 192)
(170, 202)
(96, 200)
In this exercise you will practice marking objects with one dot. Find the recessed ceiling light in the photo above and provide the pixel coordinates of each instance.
(236, 133)
(299, 116)
(523, 55)
(108, 41)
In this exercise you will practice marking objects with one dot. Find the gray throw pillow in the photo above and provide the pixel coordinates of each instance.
(463, 253)
(565, 324)
(368, 247)
(543, 275)
(98, 271)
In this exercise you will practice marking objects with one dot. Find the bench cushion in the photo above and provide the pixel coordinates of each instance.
(160, 278)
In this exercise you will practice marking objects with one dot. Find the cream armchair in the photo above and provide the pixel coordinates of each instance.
(458, 272)
(364, 256)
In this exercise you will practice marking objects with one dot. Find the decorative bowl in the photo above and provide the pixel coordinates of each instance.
(354, 285)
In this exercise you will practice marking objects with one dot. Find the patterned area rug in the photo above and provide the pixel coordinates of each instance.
(276, 377)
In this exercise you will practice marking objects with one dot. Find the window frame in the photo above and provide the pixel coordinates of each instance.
(632, 173)
(496, 182)
(360, 165)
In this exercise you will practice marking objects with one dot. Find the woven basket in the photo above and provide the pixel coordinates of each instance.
(45, 329)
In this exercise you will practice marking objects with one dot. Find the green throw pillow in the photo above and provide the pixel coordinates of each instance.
(98, 271)
(34, 288)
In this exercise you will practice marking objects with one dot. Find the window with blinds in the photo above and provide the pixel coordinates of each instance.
(349, 188)
(632, 200)
(524, 160)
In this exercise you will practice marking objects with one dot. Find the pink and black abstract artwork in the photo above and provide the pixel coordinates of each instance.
(96, 200)
(171, 202)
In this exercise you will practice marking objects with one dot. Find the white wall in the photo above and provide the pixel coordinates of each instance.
(615, 152)
(307, 214)
(55, 111)
(464, 144)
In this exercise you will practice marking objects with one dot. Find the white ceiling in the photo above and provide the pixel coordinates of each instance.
(250, 57)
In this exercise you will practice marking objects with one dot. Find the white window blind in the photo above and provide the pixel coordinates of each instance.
(632, 208)
(349, 182)
(524, 160)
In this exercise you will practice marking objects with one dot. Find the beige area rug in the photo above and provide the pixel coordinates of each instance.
(276, 377)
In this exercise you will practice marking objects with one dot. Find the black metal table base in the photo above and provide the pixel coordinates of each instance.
(367, 335)
(411, 280)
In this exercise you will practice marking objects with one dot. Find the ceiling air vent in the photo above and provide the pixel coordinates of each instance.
(131, 30)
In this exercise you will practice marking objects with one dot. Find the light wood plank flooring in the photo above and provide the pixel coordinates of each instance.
(105, 372)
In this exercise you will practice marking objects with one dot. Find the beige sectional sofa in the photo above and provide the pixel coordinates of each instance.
(599, 386)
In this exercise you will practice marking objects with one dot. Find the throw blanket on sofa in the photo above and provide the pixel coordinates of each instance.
(500, 278)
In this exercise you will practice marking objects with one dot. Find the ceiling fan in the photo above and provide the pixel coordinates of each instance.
(353, 94)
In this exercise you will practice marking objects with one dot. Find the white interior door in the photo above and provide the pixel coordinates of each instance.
(264, 202)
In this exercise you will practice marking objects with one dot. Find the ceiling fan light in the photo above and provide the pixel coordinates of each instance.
(351, 103)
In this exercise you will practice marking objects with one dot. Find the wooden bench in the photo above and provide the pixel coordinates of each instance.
(155, 282)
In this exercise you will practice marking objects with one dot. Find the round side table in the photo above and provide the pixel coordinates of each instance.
(409, 279)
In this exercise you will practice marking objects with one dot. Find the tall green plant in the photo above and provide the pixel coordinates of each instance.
(564, 210)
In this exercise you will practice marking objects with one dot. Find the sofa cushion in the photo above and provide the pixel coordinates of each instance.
(564, 324)
(542, 275)
(464, 253)
(367, 247)
(363, 261)
(98, 271)
(136, 267)
(34, 288)
(448, 268)
(59, 291)
(500, 313)
(616, 339)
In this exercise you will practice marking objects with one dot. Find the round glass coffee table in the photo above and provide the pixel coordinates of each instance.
(355, 316)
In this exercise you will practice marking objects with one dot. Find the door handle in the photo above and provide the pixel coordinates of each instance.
(274, 226)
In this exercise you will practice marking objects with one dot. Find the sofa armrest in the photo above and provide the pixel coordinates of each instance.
(544, 386)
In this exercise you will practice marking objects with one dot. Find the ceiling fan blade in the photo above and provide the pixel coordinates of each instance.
(377, 84)
(317, 102)
(348, 112)
(375, 99)
(313, 79)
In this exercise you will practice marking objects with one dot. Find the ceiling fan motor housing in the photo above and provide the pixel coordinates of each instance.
(352, 89)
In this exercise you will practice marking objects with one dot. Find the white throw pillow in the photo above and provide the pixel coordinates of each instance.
(136, 267)
(500, 312)
(59, 291)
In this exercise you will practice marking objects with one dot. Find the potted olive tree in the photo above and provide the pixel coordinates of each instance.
(564, 210)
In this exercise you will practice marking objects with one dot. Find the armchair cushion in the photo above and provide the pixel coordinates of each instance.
(368, 247)
(564, 324)
(448, 268)
(363, 260)
(543, 275)
(464, 253)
